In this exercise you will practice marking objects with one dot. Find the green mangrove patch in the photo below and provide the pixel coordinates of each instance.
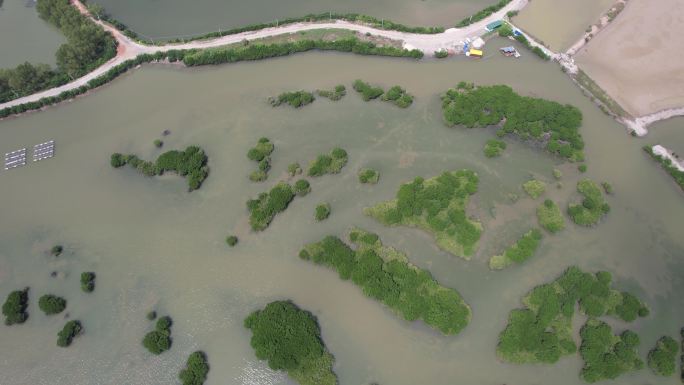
(398, 96)
(542, 331)
(295, 99)
(607, 356)
(190, 163)
(289, 338)
(386, 275)
(267, 205)
(336, 94)
(662, 358)
(88, 281)
(550, 217)
(593, 206)
(70, 330)
(196, 369)
(494, 148)
(437, 206)
(545, 121)
(52, 304)
(367, 91)
(534, 188)
(368, 175)
(159, 340)
(329, 164)
(523, 249)
(322, 212)
(261, 153)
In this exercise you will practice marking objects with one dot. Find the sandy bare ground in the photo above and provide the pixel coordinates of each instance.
(638, 59)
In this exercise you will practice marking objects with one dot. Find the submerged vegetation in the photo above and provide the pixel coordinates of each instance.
(261, 153)
(550, 217)
(51, 304)
(542, 331)
(88, 281)
(398, 96)
(336, 94)
(70, 330)
(368, 175)
(159, 340)
(289, 338)
(191, 164)
(386, 275)
(367, 91)
(322, 212)
(534, 188)
(263, 209)
(662, 358)
(57, 250)
(329, 164)
(519, 252)
(295, 99)
(494, 148)
(593, 206)
(436, 205)
(530, 118)
(196, 369)
(14, 308)
(232, 240)
(607, 356)
(88, 46)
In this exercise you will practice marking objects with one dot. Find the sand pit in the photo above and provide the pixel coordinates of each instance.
(638, 59)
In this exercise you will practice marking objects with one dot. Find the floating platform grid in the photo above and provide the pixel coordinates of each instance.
(43, 150)
(15, 159)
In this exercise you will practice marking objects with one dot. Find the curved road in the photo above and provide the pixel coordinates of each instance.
(129, 49)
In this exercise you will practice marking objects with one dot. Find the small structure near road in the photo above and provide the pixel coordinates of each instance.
(494, 25)
(510, 51)
(475, 53)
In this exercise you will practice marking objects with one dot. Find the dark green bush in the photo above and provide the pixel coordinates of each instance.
(70, 330)
(436, 205)
(196, 369)
(57, 250)
(526, 117)
(14, 308)
(441, 54)
(605, 355)
(152, 315)
(542, 331)
(191, 164)
(322, 211)
(51, 304)
(232, 240)
(582, 168)
(159, 340)
(290, 339)
(662, 358)
(302, 187)
(158, 143)
(88, 281)
(386, 275)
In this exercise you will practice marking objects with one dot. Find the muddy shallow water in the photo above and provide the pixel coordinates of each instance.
(155, 246)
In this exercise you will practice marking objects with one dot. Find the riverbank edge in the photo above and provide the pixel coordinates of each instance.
(175, 56)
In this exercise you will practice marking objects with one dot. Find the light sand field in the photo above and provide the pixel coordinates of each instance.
(639, 58)
(560, 23)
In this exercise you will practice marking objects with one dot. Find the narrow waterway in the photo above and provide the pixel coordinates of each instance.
(154, 246)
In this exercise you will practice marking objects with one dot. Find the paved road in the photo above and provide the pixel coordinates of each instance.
(129, 49)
